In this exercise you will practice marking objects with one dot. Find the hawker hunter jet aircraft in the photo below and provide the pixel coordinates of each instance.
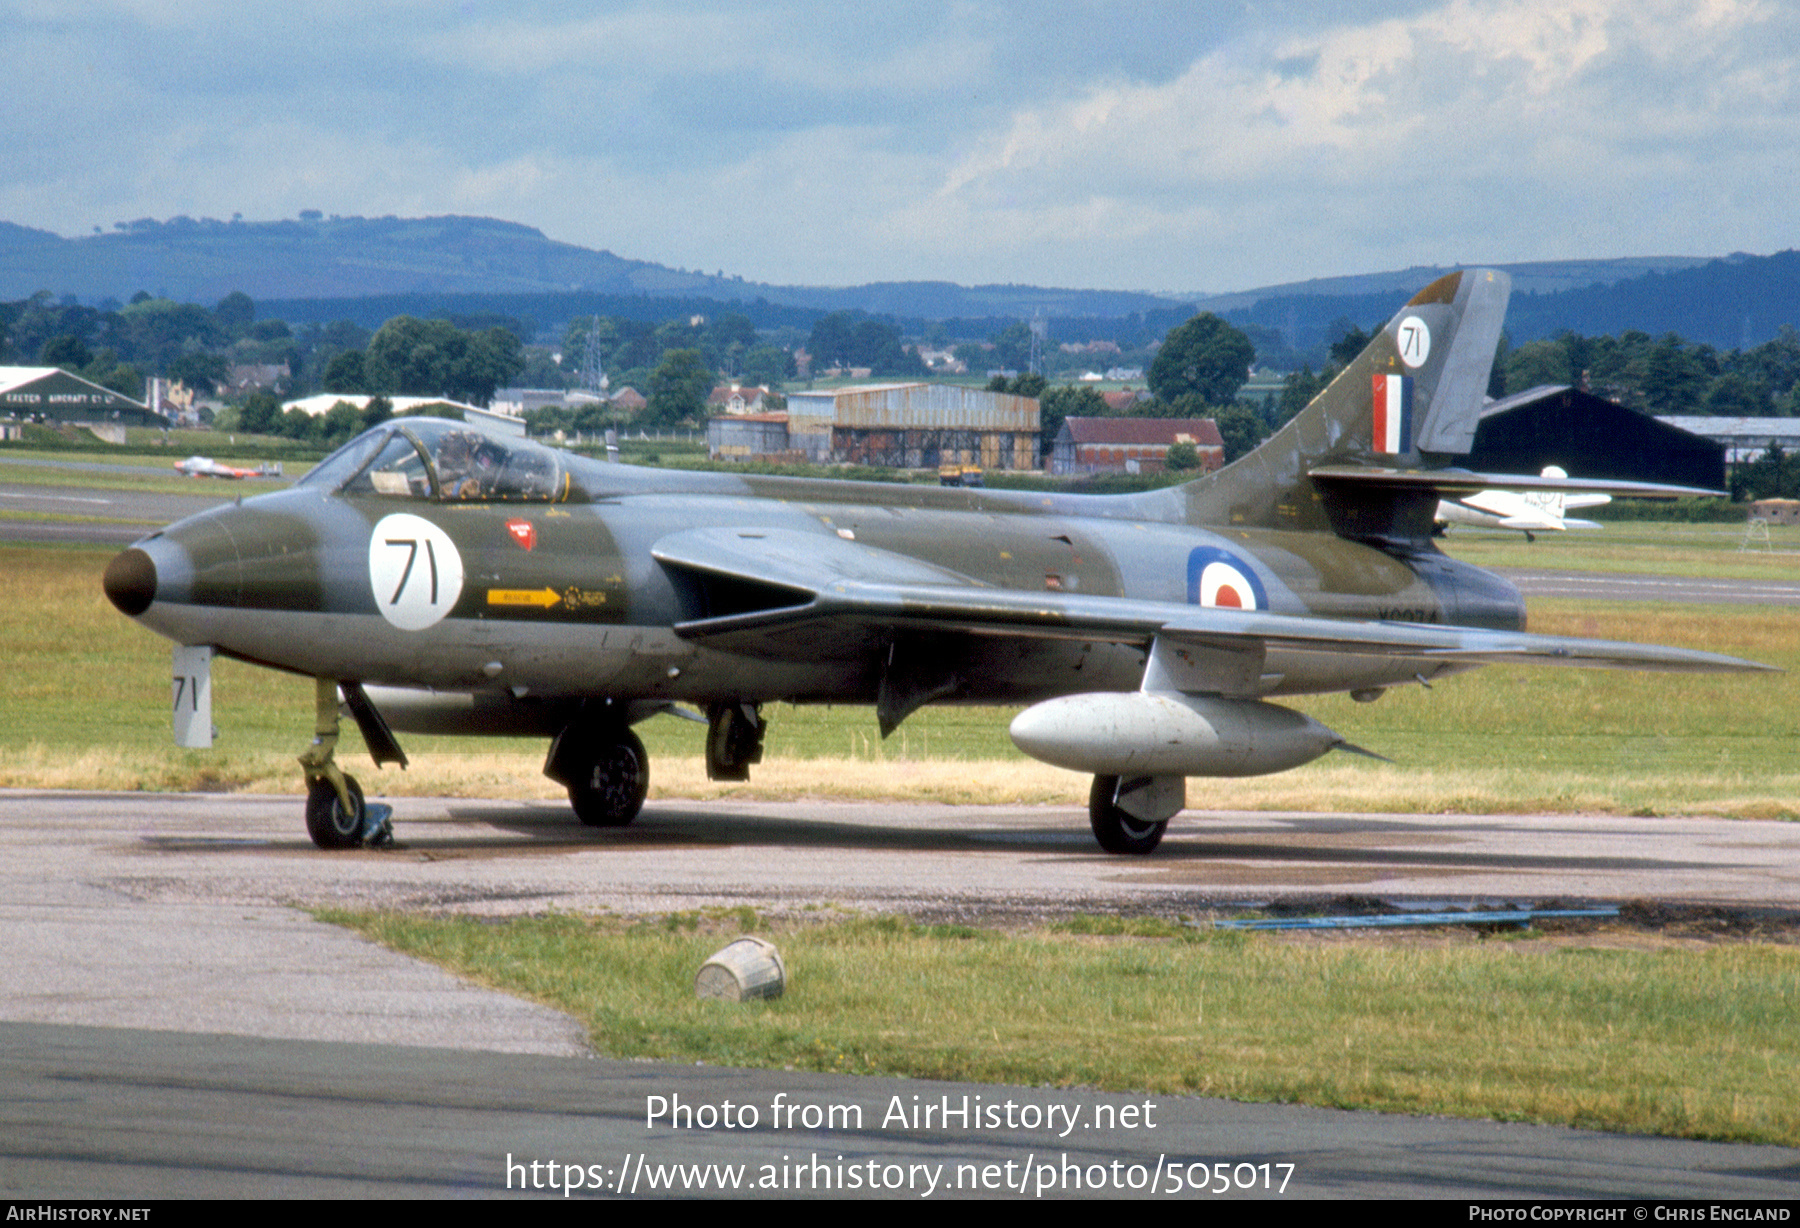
(442, 579)
(207, 467)
(1529, 511)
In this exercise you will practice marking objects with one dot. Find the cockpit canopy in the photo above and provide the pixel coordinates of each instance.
(450, 462)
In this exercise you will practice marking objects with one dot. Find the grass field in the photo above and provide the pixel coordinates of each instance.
(88, 695)
(1715, 551)
(1696, 1043)
(148, 473)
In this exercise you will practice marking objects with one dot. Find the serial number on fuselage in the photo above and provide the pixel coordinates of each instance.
(1408, 614)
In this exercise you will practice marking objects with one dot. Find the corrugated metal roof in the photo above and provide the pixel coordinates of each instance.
(912, 407)
(1204, 431)
(1734, 428)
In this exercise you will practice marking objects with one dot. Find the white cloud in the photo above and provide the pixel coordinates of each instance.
(1399, 129)
(1185, 148)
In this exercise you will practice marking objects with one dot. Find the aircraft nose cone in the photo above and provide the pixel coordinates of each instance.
(130, 582)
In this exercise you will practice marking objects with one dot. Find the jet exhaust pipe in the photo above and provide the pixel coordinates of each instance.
(1142, 733)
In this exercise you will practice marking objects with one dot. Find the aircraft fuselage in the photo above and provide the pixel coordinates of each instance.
(557, 600)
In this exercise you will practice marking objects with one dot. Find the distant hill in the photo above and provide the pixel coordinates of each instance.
(367, 269)
(355, 257)
(1534, 277)
(318, 257)
(1734, 302)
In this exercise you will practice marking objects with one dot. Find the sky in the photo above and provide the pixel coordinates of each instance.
(1165, 146)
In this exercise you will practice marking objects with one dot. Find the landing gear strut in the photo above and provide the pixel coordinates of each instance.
(336, 816)
(606, 771)
(734, 740)
(1120, 831)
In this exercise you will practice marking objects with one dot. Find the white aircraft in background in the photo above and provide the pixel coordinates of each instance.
(1529, 511)
(207, 467)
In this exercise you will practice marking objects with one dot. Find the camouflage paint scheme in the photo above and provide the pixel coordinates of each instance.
(589, 589)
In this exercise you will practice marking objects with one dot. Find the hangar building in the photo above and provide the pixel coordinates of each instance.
(1744, 439)
(914, 426)
(1590, 437)
(50, 394)
(1132, 445)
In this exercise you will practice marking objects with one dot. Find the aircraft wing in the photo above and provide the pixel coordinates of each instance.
(777, 592)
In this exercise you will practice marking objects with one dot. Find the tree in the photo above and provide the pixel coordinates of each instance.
(1672, 377)
(1773, 475)
(201, 371)
(155, 332)
(259, 414)
(830, 343)
(679, 388)
(728, 338)
(340, 422)
(489, 359)
(1297, 392)
(70, 353)
(1733, 396)
(235, 313)
(435, 358)
(1539, 362)
(849, 339)
(378, 410)
(1241, 430)
(1181, 457)
(1056, 405)
(1025, 384)
(126, 381)
(344, 373)
(768, 366)
(1205, 357)
(1012, 347)
(412, 356)
(1353, 342)
(299, 425)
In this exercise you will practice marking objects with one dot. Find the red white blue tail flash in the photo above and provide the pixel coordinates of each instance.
(1393, 414)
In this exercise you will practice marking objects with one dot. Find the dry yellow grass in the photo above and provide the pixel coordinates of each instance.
(87, 699)
(1335, 784)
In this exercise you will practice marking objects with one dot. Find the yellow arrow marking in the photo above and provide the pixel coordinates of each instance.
(523, 596)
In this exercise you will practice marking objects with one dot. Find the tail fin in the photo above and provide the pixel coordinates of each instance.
(1410, 401)
(1549, 502)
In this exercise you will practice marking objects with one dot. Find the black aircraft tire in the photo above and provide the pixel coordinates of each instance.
(326, 820)
(1117, 831)
(615, 782)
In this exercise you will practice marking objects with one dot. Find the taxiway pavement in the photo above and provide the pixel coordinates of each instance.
(175, 1024)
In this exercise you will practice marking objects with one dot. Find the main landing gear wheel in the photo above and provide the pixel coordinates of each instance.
(327, 822)
(609, 787)
(1117, 831)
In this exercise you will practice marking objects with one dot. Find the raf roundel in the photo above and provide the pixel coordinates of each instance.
(414, 570)
(1219, 578)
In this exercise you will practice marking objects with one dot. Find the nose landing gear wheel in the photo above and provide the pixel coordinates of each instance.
(327, 822)
(609, 789)
(1117, 831)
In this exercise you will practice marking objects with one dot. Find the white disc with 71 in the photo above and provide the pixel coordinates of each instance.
(414, 570)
